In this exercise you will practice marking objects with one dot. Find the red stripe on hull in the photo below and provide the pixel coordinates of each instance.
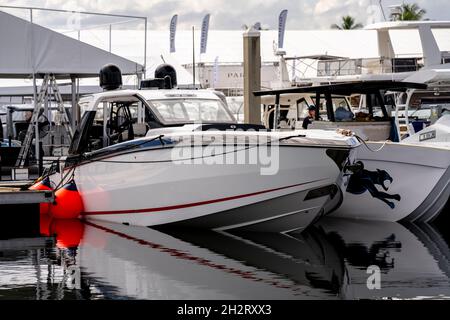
(194, 204)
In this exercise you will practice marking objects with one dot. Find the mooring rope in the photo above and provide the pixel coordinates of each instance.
(369, 148)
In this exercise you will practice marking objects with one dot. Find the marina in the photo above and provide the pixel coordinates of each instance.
(315, 174)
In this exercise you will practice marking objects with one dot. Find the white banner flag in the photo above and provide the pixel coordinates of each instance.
(173, 31)
(282, 27)
(205, 30)
(216, 72)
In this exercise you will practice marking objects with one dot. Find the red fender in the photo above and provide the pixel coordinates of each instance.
(68, 232)
(68, 203)
(43, 185)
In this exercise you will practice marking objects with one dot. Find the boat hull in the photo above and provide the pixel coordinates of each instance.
(416, 181)
(148, 189)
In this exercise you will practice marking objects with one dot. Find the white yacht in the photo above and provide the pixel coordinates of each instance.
(158, 157)
(437, 135)
(397, 180)
(417, 107)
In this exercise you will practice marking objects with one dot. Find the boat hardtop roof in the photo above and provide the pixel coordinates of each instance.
(30, 107)
(136, 95)
(398, 25)
(346, 89)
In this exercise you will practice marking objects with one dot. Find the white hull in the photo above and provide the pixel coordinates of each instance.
(128, 189)
(437, 135)
(419, 188)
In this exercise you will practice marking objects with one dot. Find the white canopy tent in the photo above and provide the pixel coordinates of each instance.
(28, 48)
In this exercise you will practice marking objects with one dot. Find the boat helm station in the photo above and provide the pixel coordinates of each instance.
(374, 122)
(116, 116)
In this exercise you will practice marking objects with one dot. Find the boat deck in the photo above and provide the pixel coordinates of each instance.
(22, 184)
(19, 212)
(16, 196)
(26, 243)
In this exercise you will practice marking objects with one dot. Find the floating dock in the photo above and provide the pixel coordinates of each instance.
(16, 196)
(26, 244)
(19, 211)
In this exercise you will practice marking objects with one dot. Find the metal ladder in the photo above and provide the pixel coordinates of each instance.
(48, 82)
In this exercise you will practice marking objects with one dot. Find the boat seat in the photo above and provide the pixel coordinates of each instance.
(140, 129)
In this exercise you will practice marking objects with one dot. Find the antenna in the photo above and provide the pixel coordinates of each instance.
(193, 55)
(382, 9)
(396, 11)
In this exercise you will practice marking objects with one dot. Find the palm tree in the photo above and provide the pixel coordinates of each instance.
(411, 12)
(347, 23)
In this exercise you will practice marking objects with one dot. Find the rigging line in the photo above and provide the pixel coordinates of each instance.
(71, 172)
(369, 148)
(177, 160)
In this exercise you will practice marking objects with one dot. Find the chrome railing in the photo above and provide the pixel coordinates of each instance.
(346, 67)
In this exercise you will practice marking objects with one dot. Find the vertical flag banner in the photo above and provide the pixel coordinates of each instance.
(282, 28)
(294, 68)
(205, 30)
(173, 31)
(216, 72)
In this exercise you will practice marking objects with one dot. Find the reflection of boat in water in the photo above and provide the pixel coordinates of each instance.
(148, 264)
(329, 261)
(308, 258)
(413, 259)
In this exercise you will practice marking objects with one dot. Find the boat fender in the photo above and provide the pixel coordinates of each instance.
(68, 203)
(44, 225)
(68, 232)
(43, 185)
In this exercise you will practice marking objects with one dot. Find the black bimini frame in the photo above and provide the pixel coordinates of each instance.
(369, 88)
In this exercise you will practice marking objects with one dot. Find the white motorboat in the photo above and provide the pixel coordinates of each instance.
(437, 135)
(158, 157)
(414, 176)
(398, 180)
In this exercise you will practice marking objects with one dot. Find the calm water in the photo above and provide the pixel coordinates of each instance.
(328, 261)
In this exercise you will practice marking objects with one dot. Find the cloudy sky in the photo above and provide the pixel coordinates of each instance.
(231, 14)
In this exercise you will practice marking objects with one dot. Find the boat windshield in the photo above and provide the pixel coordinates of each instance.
(191, 110)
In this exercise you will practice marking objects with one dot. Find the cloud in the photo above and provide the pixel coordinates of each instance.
(324, 6)
(230, 14)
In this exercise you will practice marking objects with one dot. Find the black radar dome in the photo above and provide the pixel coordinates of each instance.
(166, 70)
(110, 77)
